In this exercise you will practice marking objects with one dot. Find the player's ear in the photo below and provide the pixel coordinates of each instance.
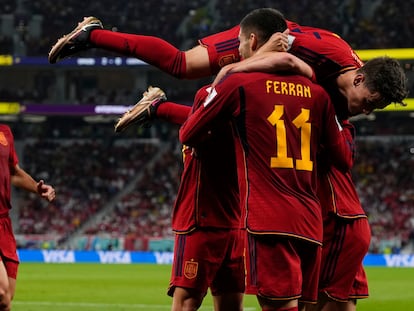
(358, 79)
(253, 42)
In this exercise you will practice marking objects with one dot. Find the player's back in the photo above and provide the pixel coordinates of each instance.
(327, 53)
(283, 122)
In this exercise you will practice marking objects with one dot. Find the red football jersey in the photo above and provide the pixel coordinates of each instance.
(326, 52)
(8, 160)
(281, 123)
(222, 47)
(338, 194)
(329, 56)
(336, 189)
(208, 195)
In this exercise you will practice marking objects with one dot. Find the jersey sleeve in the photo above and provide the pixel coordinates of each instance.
(336, 140)
(326, 52)
(212, 109)
(13, 159)
(222, 47)
(349, 134)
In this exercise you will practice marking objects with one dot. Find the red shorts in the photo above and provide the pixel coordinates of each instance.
(282, 268)
(8, 249)
(223, 48)
(345, 244)
(209, 259)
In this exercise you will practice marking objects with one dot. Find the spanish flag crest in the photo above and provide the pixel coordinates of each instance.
(190, 269)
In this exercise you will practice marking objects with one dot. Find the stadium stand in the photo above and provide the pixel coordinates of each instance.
(384, 179)
(89, 173)
(93, 174)
(365, 24)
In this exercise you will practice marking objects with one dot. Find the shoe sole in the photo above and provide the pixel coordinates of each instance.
(130, 116)
(60, 44)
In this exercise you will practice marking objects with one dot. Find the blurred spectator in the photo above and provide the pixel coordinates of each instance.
(383, 174)
(92, 165)
(365, 24)
(89, 171)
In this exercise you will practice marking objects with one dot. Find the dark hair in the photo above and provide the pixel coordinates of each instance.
(263, 22)
(385, 76)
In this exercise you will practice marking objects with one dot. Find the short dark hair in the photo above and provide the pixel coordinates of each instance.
(385, 76)
(264, 22)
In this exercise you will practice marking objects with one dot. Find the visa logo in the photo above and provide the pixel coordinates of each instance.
(114, 257)
(164, 257)
(59, 256)
(399, 260)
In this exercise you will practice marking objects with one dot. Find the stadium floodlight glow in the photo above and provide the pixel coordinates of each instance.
(34, 118)
(393, 53)
(8, 117)
(9, 107)
(98, 119)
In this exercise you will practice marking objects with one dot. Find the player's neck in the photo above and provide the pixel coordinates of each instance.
(345, 82)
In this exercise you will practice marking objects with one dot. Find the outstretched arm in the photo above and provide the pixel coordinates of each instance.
(21, 179)
(268, 62)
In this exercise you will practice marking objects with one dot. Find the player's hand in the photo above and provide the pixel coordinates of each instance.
(278, 42)
(222, 73)
(313, 77)
(46, 191)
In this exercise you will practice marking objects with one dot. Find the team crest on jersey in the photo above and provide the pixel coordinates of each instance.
(190, 269)
(3, 139)
(226, 59)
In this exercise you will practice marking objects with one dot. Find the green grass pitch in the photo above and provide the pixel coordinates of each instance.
(117, 287)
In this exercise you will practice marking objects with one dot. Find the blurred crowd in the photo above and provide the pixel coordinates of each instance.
(383, 174)
(90, 173)
(86, 173)
(107, 192)
(30, 27)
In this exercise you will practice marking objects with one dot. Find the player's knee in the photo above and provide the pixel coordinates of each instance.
(4, 300)
(191, 305)
(4, 307)
(3, 294)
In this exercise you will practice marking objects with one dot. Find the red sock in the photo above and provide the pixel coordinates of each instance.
(172, 112)
(152, 50)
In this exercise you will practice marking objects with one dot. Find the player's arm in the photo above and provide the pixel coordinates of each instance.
(268, 62)
(349, 136)
(201, 122)
(336, 140)
(21, 179)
